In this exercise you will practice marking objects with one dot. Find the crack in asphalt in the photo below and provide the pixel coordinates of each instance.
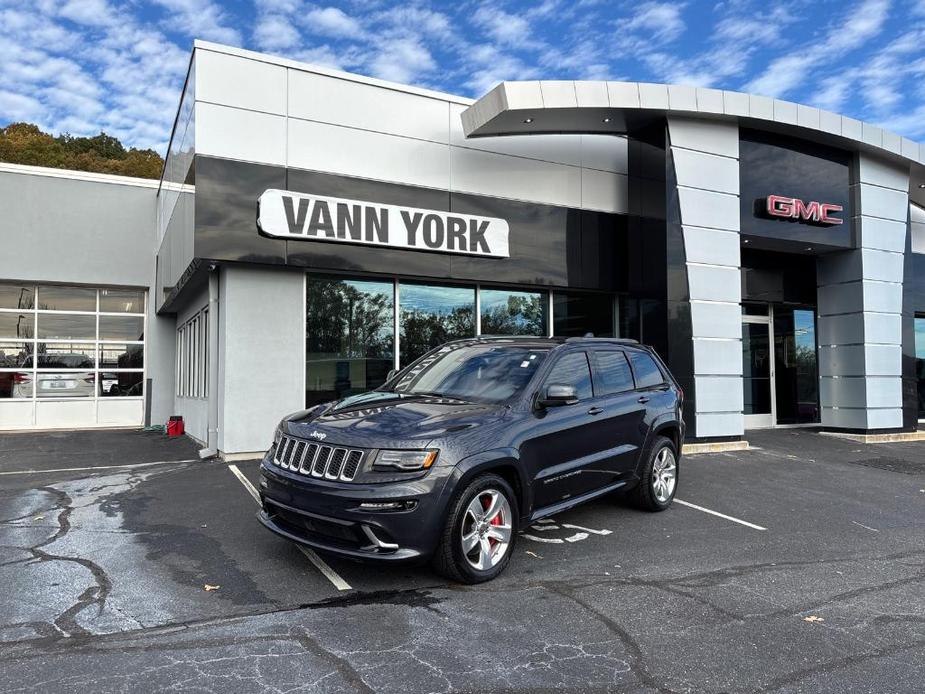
(96, 594)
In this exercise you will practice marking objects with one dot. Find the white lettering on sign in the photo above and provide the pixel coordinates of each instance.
(794, 208)
(289, 215)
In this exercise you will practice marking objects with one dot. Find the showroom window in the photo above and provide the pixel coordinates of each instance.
(357, 330)
(59, 342)
(430, 315)
(193, 357)
(920, 362)
(349, 340)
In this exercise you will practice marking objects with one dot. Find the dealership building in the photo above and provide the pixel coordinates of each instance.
(315, 229)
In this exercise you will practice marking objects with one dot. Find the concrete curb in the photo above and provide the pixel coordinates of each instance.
(719, 447)
(899, 437)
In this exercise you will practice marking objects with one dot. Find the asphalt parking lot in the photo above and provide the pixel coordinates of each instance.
(129, 565)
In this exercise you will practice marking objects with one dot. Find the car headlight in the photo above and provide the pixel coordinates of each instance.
(404, 461)
(278, 434)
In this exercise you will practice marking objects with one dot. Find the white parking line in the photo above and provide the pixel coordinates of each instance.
(721, 515)
(98, 467)
(319, 563)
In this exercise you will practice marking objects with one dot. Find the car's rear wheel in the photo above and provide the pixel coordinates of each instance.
(478, 536)
(658, 477)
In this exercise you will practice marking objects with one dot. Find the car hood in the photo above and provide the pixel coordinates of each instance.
(391, 420)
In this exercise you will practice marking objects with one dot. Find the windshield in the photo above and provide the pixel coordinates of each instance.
(480, 373)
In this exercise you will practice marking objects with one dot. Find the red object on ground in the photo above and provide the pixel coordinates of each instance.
(175, 426)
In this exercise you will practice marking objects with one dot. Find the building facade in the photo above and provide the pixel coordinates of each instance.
(314, 230)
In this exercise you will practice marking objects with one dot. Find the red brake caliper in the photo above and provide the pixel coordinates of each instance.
(486, 502)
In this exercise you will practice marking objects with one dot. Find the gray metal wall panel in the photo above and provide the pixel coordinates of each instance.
(56, 229)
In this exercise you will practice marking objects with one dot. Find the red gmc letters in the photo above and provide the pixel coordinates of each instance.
(794, 208)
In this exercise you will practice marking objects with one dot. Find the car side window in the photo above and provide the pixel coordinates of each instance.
(611, 372)
(646, 370)
(572, 370)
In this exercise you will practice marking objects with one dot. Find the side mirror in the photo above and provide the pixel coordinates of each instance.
(557, 395)
(392, 374)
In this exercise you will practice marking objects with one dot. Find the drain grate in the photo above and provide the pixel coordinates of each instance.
(906, 467)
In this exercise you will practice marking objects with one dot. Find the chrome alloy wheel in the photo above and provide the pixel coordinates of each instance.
(664, 475)
(486, 529)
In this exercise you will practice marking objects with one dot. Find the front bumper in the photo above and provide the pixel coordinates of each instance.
(327, 516)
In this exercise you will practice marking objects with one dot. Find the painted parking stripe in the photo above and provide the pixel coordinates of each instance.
(99, 467)
(721, 515)
(319, 563)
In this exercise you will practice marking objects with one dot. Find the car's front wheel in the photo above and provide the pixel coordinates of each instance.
(478, 536)
(658, 477)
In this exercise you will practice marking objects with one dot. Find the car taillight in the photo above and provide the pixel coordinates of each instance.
(89, 379)
(22, 378)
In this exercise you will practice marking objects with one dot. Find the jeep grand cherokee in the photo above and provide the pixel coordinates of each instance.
(474, 440)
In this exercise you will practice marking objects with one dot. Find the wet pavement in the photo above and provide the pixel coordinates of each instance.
(157, 577)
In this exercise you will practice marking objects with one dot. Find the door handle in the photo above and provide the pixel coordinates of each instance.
(595, 410)
(643, 399)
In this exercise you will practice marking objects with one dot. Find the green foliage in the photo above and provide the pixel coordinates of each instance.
(25, 143)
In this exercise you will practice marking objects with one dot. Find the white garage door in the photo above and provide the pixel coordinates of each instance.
(71, 357)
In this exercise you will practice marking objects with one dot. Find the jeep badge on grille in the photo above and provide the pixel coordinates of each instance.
(318, 435)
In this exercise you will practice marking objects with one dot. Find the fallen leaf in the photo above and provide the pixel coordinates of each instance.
(209, 588)
(813, 618)
(534, 554)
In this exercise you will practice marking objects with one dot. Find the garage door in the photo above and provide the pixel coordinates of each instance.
(71, 357)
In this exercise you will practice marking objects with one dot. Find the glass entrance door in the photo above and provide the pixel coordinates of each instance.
(779, 365)
(758, 371)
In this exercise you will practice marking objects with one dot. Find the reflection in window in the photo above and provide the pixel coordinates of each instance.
(14, 354)
(122, 328)
(16, 296)
(67, 299)
(122, 301)
(920, 362)
(67, 327)
(349, 337)
(64, 355)
(575, 314)
(122, 384)
(513, 313)
(122, 356)
(17, 325)
(430, 316)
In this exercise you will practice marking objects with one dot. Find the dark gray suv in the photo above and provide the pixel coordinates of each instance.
(471, 442)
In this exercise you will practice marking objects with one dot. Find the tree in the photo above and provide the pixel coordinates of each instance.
(25, 143)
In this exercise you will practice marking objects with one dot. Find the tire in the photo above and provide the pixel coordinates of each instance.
(658, 477)
(489, 553)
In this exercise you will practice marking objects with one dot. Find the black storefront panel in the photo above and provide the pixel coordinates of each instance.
(784, 184)
(549, 245)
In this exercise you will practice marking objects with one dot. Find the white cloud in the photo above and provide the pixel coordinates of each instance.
(331, 21)
(505, 28)
(403, 60)
(201, 19)
(92, 12)
(19, 107)
(275, 33)
(863, 22)
(661, 20)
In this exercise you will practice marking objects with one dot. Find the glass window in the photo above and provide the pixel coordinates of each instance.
(920, 362)
(16, 384)
(15, 325)
(64, 355)
(480, 373)
(646, 370)
(122, 356)
(576, 314)
(14, 354)
(122, 328)
(611, 373)
(65, 384)
(349, 337)
(630, 323)
(121, 384)
(16, 296)
(64, 326)
(572, 370)
(122, 301)
(513, 313)
(67, 299)
(433, 315)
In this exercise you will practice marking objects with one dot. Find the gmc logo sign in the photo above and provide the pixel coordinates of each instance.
(781, 206)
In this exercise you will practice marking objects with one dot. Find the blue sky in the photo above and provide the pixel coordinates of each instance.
(118, 65)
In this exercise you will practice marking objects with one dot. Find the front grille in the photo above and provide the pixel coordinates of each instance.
(313, 459)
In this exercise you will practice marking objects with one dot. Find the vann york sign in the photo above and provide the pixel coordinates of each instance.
(289, 215)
